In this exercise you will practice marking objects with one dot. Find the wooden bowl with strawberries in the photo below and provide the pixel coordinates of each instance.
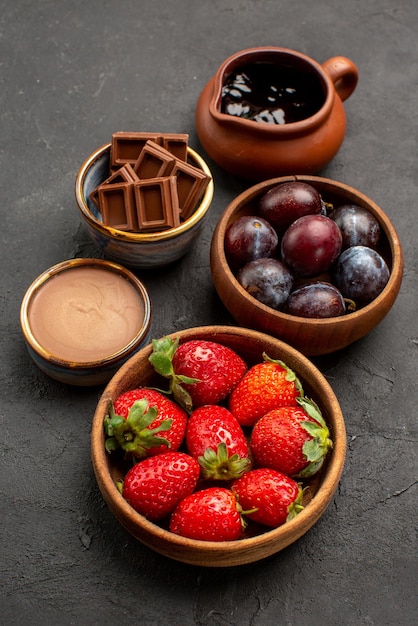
(258, 541)
(312, 335)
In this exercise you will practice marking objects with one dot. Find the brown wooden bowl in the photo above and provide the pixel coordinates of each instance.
(310, 336)
(320, 489)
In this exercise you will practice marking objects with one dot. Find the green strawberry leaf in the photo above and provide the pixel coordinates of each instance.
(290, 374)
(111, 445)
(311, 469)
(186, 379)
(312, 429)
(218, 465)
(314, 449)
(162, 355)
(182, 397)
(162, 364)
(111, 422)
(166, 345)
(133, 434)
(312, 409)
(161, 359)
(296, 506)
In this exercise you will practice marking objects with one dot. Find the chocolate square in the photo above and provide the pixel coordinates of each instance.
(117, 206)
(153, 162)
(191, 183)
(176, 144)
(126, 147)
(124, 174)
(156, 203)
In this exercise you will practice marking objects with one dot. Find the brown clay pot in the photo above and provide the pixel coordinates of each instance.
(256, 150)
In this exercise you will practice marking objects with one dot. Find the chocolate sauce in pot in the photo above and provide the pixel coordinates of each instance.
(269, 94)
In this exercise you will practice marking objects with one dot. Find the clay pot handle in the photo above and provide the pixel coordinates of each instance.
(344, 75)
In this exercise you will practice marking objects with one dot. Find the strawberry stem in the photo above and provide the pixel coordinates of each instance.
(296, 506)
(316, 448)
(290, 374)
(133, 434)
(161, 359)
(218, 465)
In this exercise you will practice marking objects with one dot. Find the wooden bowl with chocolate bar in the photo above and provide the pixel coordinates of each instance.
(144, 197)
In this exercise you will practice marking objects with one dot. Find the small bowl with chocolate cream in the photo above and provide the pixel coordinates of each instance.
(144, 197)
(83, 318)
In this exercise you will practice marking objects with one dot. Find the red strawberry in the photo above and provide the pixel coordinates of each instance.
(214, 437)
(266, 386)
(269, 497)
(155, 486)
(292, 440)
(210, 514)
(143, 422)
(200, 372)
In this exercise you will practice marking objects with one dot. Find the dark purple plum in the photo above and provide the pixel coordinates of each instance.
(286, 202)
(267, 280)
(317, 299)
(358, 226)
(311, 245)
(249, 238)
(360, 274)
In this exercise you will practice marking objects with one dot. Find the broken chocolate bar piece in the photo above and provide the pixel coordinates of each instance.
(156, 203)
(126, 147)
(154, 161)
(176, 144)
(191, 183)
(117, 206)
(124, 174)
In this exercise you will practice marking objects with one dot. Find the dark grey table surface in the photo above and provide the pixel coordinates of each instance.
(73, 72)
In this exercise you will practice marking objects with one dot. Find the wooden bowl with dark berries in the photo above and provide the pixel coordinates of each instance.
(187, 445)
(306, 259)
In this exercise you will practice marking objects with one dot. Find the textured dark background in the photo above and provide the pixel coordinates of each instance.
(73, 72)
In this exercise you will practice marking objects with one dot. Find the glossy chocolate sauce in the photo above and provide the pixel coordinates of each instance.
(267, 93)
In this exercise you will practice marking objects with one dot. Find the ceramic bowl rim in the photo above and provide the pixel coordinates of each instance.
(63, 266)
